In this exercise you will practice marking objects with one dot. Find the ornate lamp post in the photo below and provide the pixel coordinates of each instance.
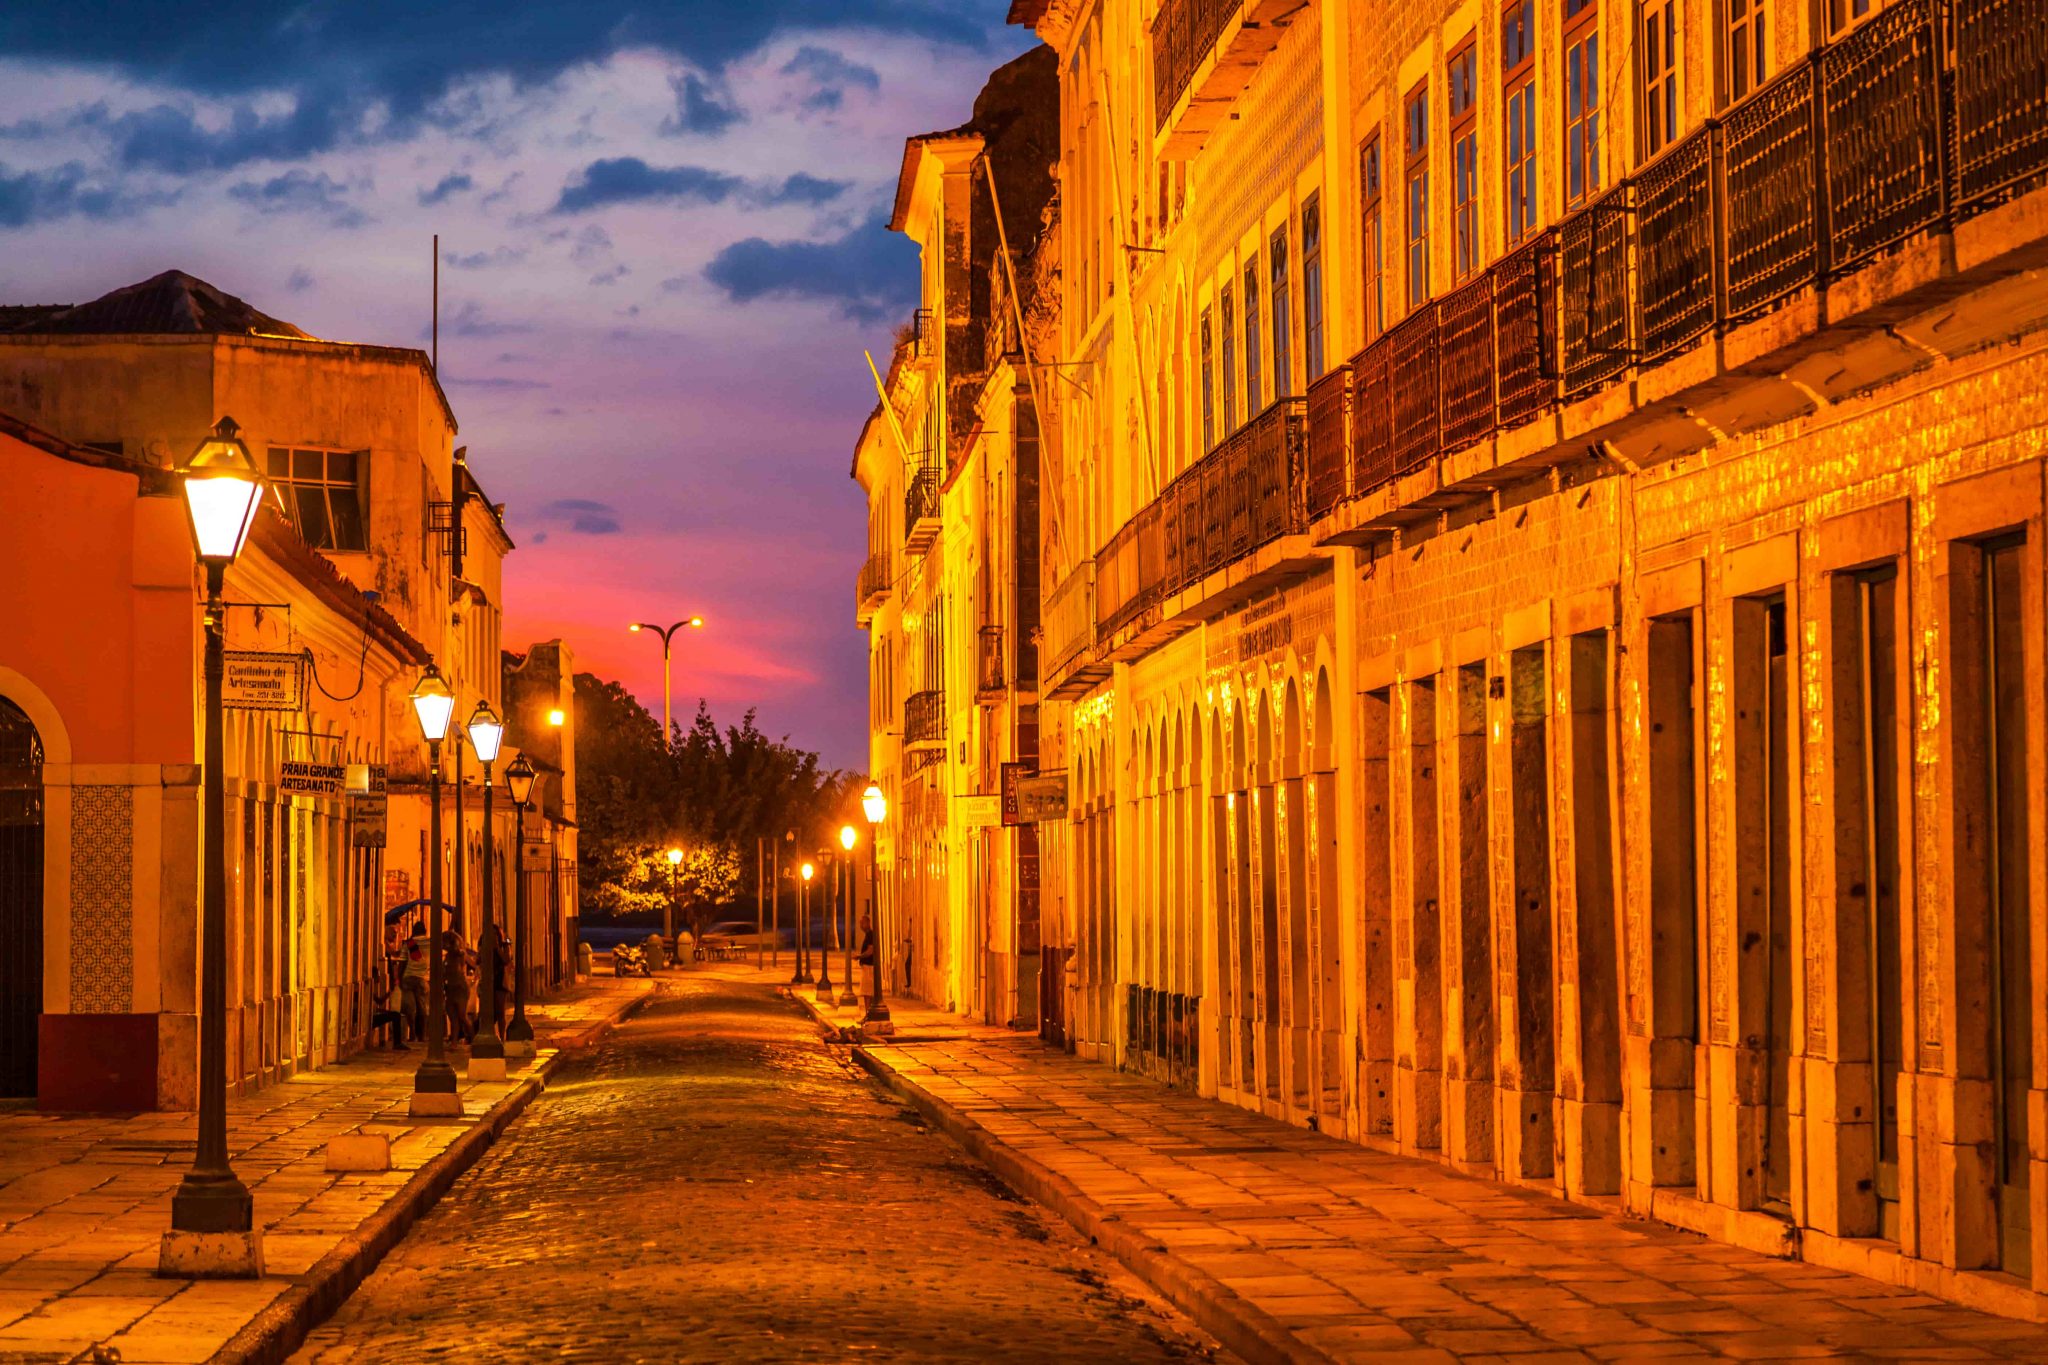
(668, 912)
(213, 1230)
(519, 781)
(668, 635)
(487, 1049)
(825, 898)
(803, 924)
(874, 804)
(848, 837)
(433, 1084)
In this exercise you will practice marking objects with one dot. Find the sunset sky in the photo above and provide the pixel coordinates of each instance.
(663, 248)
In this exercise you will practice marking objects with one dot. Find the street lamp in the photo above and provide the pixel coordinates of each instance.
(519, 780)
(803, 924)
(433, 1084)
(668, 912)
(874, 804)
(667, 634)
(487, 1049)
(213, 1230)
(848, 837)
(825, 996)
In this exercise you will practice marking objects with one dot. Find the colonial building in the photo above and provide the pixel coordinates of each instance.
(1542, 614)
(950, 462)
(377, 553)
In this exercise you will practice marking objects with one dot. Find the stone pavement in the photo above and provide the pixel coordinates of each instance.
(712, 1183)
(1288, 1244)
(84, 1199)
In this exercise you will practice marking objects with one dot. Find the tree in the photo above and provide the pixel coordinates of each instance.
(625, 794)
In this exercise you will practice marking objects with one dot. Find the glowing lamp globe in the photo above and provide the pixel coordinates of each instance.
(433, 704)
(675, 855)
(486, 732)
(875, 804)
(222, 491)
(519, 780)
(847, 837)
(809, 871)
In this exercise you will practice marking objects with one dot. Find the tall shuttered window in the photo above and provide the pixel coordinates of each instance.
(1229, 319)
(1254, 388)
(1282, 295)
(1660, 75)
(1518, 117)
(1462, 78)
(1372, 243)
(1312, 286)
(1415, 145)
(1581, 101)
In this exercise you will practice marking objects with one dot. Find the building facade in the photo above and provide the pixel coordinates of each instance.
(1542, 628)
(375, 553)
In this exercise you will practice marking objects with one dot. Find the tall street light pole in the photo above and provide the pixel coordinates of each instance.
(874, 804)
(668, 912)
(433, 1084)
(519, 780)
(667, 634)
(848, 837)
(487, 1049)
(825, 897)
(213, 1231)
(803, 924)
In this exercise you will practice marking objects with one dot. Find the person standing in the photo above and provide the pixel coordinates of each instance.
(414, 982)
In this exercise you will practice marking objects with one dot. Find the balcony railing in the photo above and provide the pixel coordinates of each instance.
(920, 502)
(1069, 619)
(990, 676)
(876, 579)
(1870, 141)
(1182, 36)
(924, 719)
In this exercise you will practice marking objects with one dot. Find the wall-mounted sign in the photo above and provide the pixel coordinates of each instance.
(372, 820)
(364, 779)
(309, 779)
(979, 811)
(259, 681)
(1042, 797)
(1013, 773)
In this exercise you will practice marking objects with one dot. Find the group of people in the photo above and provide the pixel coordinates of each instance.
(403, 991)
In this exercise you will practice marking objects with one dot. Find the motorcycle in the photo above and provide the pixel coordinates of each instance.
(628, 960)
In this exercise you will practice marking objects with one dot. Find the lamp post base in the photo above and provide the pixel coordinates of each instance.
(210, 1255)
(826, 994)
(848, 996)
(519, 1031)
(876, 1023)
(435, 1104)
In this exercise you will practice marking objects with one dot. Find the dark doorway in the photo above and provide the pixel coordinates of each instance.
(21, 899)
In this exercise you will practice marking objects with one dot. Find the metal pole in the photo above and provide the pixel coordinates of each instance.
(487, 1043)
(825, 935)
(877, 1020)
(667, 718)
(461, 847)
(212, 1198)
(519, 1030)
(775, 904)
(668, 912)
(760, 872)
(434, 1076)
(847, 994)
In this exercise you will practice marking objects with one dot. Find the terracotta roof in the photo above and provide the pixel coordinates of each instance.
(172, 303)
(283, 543)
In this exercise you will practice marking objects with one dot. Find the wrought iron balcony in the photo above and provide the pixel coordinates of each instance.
(1069, 626)
(921, 508)
(924, 720)
(1183, 34)
(874, 585)
(990, 675)
(1204, 53)
(1874, 140)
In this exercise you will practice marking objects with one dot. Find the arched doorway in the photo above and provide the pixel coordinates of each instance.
(21, 899)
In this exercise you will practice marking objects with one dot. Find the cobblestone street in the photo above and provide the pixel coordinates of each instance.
(712, 1183)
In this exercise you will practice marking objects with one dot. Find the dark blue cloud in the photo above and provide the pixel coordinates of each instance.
(171, 140)
(870, 273)
(802, 188)
(468, 320)
(830, 75)
(300, 191)
(583, 515)
(699, 111)
(65, 192)
(629, 180)
(453, 183)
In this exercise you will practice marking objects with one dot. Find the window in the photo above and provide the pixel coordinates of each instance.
(1312, 286)
(1252, 386)
(1208, 382)
(1462, 72)
(1843, 14)
(321, 493)
(1518, 90)
(1372, 246)
(1582, 101)
(1747, 24)
(1229, 362)
(1660, 74)
(1416, 145)
(1283, 318)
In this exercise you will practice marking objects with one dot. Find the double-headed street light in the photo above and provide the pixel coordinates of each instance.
(213, 1227)
(848, 837)
(433, 1084)
(668, 635)
(486, 1048)
(874, 804)
(519, 782)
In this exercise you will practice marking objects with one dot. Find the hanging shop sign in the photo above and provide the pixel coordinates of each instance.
(979, 811)
(310, 779)
(1013, 773)
(372, 819)
(258, 680)
(1042, 796)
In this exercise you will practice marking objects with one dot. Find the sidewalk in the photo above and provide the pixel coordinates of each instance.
(1289, 1245)
(84, 1200)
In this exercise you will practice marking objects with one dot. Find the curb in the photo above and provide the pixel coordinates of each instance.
(1246, 1329)
(281, 1328)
